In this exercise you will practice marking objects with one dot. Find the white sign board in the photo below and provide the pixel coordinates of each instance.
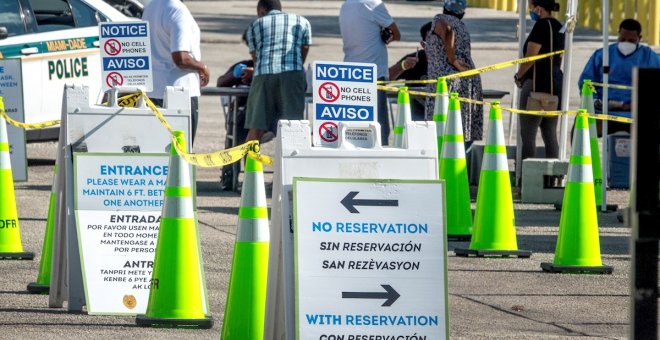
(372, 261)
(343, 92)
(126, 55)
(11, 91)
(118, 202)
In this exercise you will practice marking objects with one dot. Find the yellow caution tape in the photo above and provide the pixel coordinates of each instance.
(512, 110)
(16, 123)
(476, 70)
(214, 159)
(129, 100)
(125, 101)
(613, 86)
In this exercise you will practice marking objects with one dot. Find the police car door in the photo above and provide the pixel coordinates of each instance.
(68, 54)
(58, 45)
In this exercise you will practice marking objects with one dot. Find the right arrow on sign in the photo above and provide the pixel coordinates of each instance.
(390, 294)
(350, 202)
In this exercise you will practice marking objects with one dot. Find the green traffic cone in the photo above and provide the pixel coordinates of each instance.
(402, 117)
(177, 294)
(440, 108)
(494, 231)
(246, 296)
(453, 169)
(10, 233)
(587, 103)
(578, 245)
(43, 278)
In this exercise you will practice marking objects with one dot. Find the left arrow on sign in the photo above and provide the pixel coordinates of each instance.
(350, 202)
(390, 294)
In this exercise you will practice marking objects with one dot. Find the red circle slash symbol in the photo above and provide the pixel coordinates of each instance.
(114, 79)
(328, 132)
(112, 47)
(329, 92)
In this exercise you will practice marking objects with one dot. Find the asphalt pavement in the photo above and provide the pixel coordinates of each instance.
(488, 298)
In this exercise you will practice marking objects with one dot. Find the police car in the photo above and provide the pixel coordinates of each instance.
(46, 44)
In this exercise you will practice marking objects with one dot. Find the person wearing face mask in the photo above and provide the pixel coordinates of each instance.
(625, 54)
(545, 37)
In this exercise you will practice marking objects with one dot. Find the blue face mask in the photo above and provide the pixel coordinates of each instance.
(533, 16)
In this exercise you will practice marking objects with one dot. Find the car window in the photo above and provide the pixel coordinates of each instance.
(84, 15)
(52, 15)
(10, 17)
(55, 15)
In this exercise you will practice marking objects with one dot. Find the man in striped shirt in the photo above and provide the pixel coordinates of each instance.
(279, 43)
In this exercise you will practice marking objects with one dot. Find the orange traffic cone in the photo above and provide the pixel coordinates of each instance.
(10, 234)
(578, 245)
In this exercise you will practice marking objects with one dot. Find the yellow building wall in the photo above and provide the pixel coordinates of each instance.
(647, 12)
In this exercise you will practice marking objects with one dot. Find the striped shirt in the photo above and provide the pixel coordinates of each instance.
(277, 39)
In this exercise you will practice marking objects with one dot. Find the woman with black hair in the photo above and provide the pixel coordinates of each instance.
(543, 75)
(448, 51)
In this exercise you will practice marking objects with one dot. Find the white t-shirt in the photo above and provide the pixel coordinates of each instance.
(360, 22)
(172, 28)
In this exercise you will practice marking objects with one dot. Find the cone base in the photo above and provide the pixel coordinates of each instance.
(459, 238)
(145, 321)
(554, 268)
(37, 288)
(524, 254)
(608, 207)
(17, 256)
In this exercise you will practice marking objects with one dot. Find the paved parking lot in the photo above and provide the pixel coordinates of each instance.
(488, 298)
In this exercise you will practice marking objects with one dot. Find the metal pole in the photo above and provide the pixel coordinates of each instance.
(522, 28)
(606, 79)
(566, 85)
(513, 119)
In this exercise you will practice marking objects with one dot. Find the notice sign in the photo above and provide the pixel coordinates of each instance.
(370, 259)
(126, 55)
(118, 202)
(342, 92)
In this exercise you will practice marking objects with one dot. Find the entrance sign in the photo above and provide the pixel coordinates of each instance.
(372, 261)
(111, 178)
(118, 202)
(126, 55)
(343, 92)
(11, 91)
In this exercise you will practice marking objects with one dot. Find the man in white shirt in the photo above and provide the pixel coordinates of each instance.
(361, 23)
(176, 52)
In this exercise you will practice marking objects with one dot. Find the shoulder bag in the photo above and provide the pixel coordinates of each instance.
(542, 101)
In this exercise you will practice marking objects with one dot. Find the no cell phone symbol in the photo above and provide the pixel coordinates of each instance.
(328, 132)
(329, 92)
(112, 47)
(114, 79)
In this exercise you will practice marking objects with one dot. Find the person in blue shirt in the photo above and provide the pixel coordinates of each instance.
(625, 54)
